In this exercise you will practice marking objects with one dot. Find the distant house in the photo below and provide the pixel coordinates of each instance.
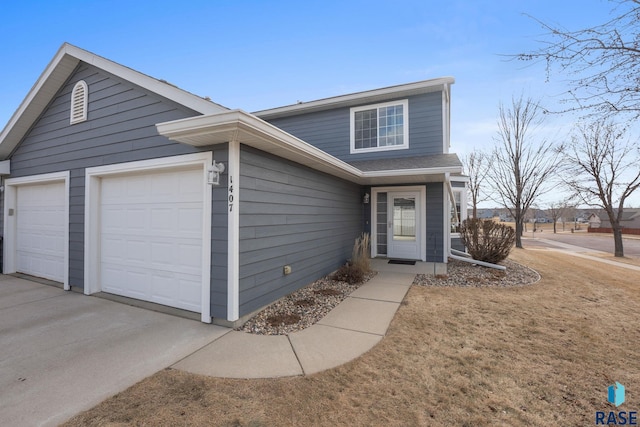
(486, 213)
(120, 183)
(594, 221)
(630, 222)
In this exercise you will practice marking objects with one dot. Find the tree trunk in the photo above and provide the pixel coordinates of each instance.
(519, 234)
(617, 241)
(554, 227)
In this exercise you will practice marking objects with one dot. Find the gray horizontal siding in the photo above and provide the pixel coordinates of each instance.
(120, 128)
(219, 227)
(330, 130)
(435, 232)
(291, 215)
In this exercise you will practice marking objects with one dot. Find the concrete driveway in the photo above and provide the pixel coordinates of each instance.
(64, 352)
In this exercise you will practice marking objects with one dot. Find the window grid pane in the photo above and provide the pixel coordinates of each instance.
(391, 125)
(366, 129)
(381, 126)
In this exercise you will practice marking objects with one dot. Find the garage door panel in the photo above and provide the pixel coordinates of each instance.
(40, 230)
(151, 237)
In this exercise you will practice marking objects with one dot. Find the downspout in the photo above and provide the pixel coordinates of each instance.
(465, 257)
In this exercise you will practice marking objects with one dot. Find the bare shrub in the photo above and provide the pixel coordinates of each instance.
(283, 319)
(350, 273)
(486, 240)
(327, 292)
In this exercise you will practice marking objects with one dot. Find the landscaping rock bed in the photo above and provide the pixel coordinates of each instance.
(302, 308)
(308, 305)
(464, 274)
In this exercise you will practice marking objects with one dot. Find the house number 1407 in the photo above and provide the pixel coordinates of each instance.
(230, 193)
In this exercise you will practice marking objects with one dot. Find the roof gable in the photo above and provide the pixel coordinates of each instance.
(61, 68)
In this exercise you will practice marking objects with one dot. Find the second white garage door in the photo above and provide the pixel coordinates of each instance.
(151, 237)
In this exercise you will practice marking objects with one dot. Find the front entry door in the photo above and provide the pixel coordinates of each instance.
(403, 227)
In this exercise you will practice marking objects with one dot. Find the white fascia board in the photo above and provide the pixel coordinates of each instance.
(459, 178)
(238, 121)
(41, 93)
(236, 124)
(5, 167)
(403, 172)
(346, 100)
(56, 74)
(166, 90)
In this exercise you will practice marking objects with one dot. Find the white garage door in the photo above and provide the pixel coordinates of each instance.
(151, 237)
(40, 238)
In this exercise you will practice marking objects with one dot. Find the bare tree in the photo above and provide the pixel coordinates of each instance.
(569, 212)
(557, 211)
(476, 165)
(523, 164)
(603, 170)
(601, 63)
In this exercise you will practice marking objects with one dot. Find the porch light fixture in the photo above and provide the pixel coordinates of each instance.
(213, 173)
(365, 199)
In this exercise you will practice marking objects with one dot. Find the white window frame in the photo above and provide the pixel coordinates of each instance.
(463, 206)
(405, 133)
(78, 113)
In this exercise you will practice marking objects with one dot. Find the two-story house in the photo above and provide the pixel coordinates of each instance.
(120, 183)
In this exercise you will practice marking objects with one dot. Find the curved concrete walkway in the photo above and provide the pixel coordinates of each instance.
(352, 328)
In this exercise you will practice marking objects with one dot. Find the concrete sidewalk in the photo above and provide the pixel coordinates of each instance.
(349, 330)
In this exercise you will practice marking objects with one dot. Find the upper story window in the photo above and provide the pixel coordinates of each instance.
(79, 96)
(380, 127)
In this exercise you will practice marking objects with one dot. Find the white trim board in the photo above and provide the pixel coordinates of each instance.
(422, 189)
(92, 220)
(233, 233)
(10, 200)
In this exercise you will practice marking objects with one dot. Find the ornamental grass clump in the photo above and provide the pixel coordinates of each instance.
(360, 256)
(486, 240)
(356, 270)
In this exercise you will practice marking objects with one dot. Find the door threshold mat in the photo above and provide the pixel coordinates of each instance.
(402, 261)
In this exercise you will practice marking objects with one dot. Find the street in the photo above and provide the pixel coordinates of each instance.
(599, 242)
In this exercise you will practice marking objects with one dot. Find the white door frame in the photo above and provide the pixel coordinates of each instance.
(92, 217)
(422, 220)
(10, 223)
(395, 248)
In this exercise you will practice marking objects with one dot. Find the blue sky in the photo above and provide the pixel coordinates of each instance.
(261, 54)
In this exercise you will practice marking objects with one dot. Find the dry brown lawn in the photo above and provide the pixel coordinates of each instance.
(625, 260)
(540, 355)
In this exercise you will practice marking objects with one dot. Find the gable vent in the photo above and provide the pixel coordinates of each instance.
(79, 102)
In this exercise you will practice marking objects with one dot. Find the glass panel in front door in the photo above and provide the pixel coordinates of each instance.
(404, 219)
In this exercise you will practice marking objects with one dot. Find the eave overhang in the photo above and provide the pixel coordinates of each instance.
(238, 125)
